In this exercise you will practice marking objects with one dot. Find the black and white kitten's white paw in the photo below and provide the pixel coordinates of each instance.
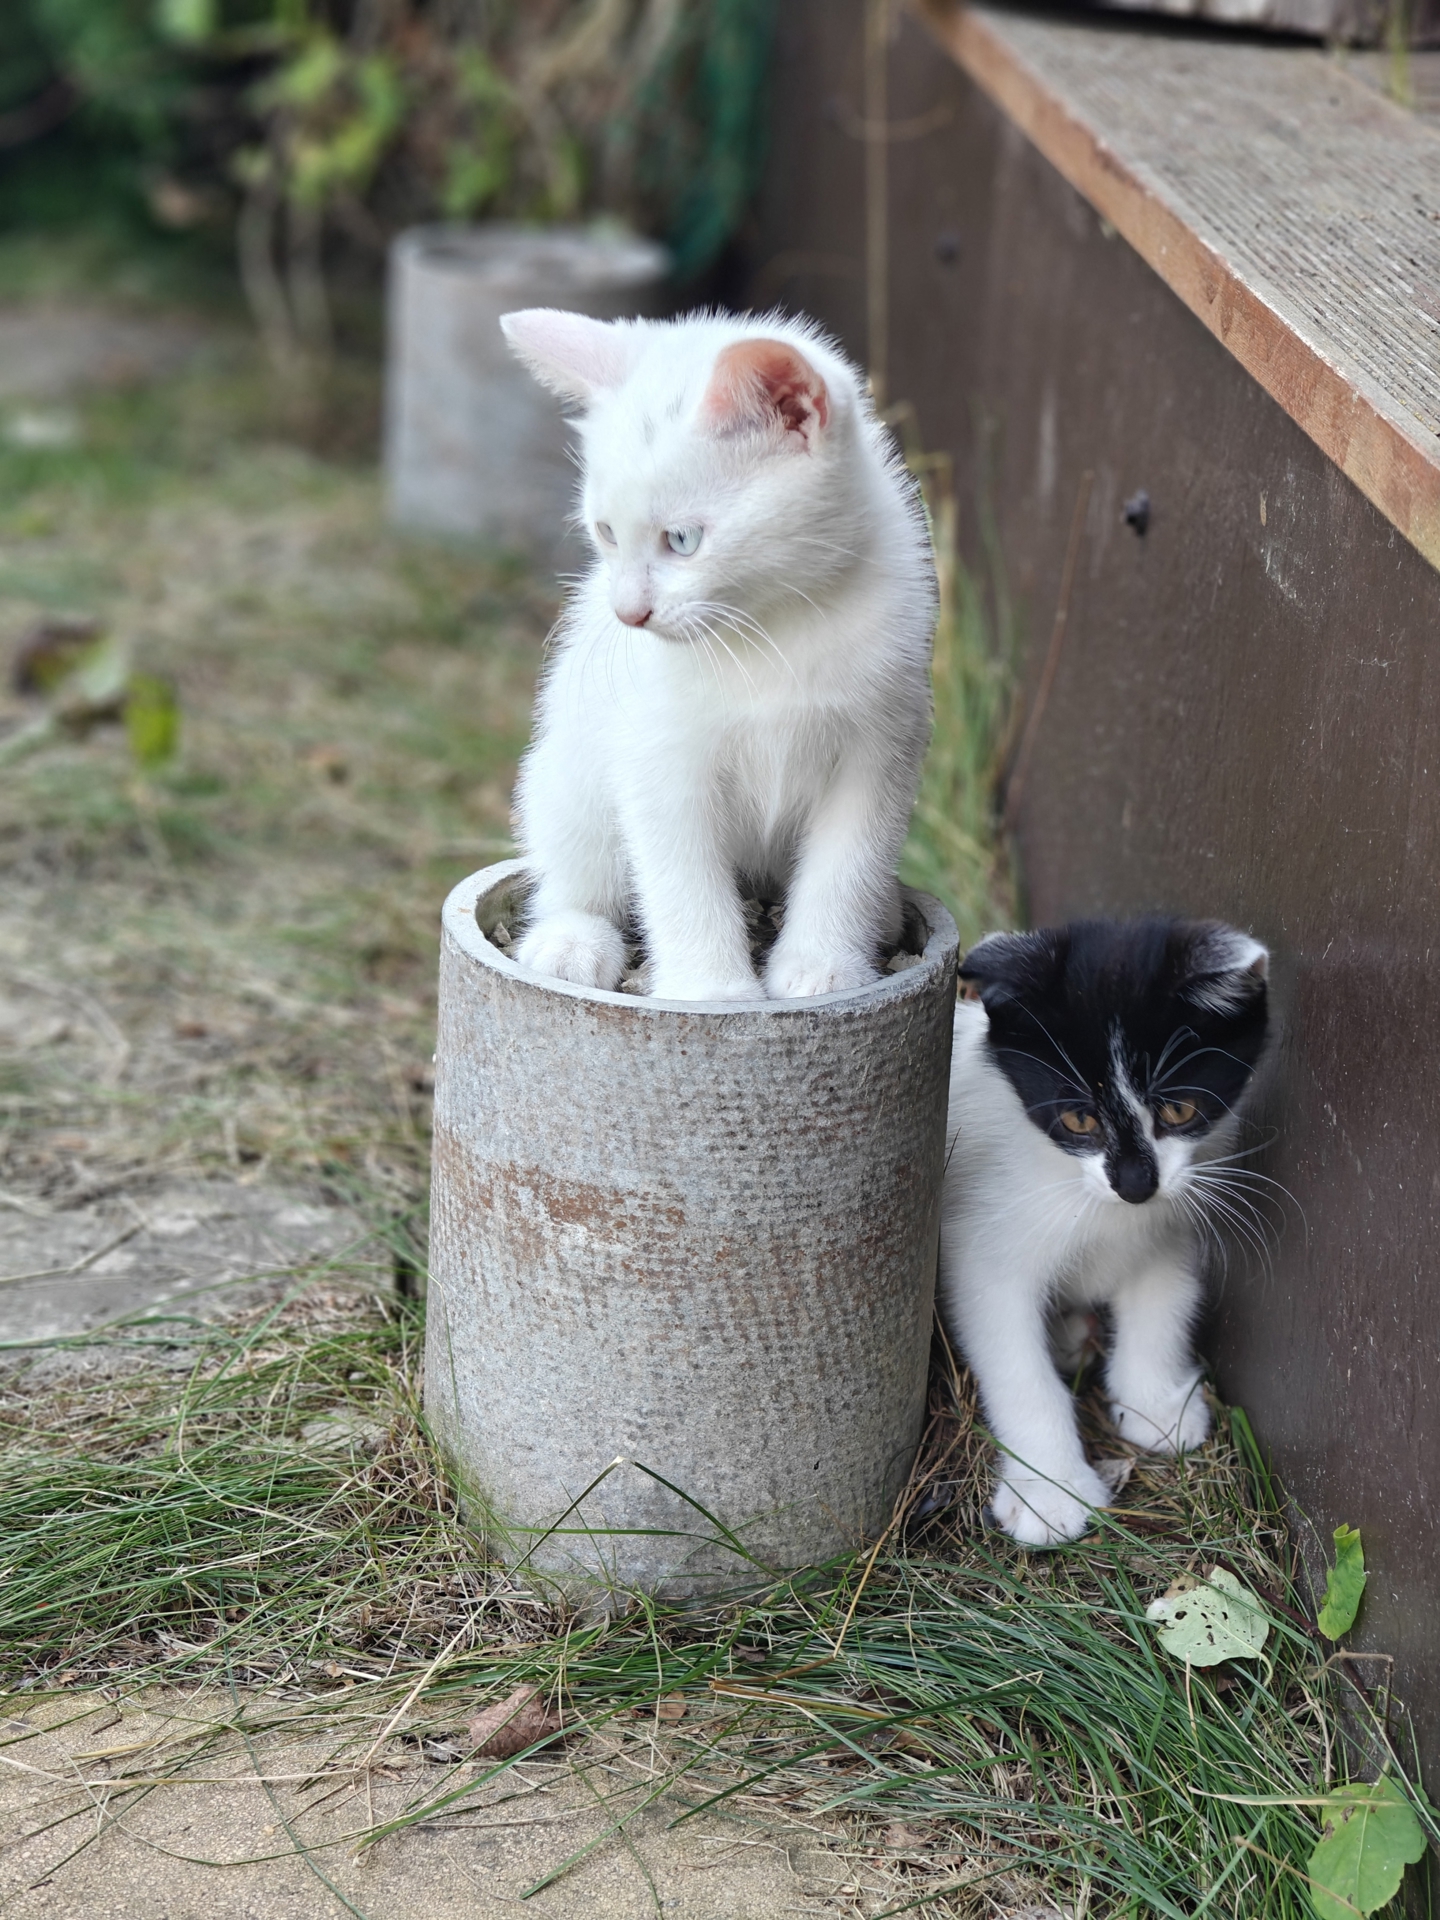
(792, 973)
(1172, 1421)
(579, 947)
(1044, 1513)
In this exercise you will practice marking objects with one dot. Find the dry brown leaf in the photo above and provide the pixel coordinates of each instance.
(1116, 1473)
(671, 1706)
(330, 761)
(910, 1742)
(512, 1725)
(51, 651)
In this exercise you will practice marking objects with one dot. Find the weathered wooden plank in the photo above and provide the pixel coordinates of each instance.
(1291, 207)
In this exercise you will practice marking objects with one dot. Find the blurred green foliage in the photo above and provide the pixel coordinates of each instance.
(304, 127)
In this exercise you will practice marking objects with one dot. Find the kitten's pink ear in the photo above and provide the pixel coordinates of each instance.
(568, 352)
(767, 382)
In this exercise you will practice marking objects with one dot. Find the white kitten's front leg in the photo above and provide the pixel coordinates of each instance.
(1154, 1383)
(1047, 1490)
(686, 891)
(843, 902)
(571, 837)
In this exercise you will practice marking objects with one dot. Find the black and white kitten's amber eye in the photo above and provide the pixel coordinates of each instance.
(606, 532)
(683, 540)
(1074, 1121)
(1175, 1113)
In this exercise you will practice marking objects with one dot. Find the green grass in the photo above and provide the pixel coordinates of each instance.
(73, 227)
(955, 849)
(275, 1513)
(207, 1518)
(352, 707)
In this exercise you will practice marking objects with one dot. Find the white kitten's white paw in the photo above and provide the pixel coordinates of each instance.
(579, 947)
(1042, 1513)
(799, 975)
(681, 983)
(1169, 1423)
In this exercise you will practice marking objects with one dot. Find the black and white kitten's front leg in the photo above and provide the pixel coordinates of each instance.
(998, 1301)
(1046, 1491)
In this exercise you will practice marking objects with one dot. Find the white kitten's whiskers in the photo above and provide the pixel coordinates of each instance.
(710, 633)
(746, 626)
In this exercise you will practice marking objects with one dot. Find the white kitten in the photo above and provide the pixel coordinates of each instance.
(741, 682)
(1093, 1093)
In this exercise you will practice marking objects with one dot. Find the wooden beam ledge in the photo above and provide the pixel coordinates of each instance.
(1292, 208)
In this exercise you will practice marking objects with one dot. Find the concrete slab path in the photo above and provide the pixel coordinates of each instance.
(180, 1248)
(83, 1836)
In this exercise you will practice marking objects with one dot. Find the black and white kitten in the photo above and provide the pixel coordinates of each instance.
(1093, 1082)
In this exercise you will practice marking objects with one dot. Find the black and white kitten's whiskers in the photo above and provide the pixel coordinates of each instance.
(1095, 1089)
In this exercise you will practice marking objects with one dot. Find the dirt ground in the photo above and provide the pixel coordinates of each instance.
(218, 1835)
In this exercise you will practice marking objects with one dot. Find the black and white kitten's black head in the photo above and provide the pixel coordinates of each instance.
(1131, 1043)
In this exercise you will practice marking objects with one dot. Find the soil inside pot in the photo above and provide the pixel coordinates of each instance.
(763, 921)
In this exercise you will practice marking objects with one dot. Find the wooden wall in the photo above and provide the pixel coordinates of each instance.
(1245, 722)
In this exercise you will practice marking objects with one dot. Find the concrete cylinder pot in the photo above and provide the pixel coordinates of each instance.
(697, 1240)
(474, 447)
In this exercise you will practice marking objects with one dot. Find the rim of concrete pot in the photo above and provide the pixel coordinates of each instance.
(495, 895)
(566, 260)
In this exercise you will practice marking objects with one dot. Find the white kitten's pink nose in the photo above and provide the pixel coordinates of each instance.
(630, 595)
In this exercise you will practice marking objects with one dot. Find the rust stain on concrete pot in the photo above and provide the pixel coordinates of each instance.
(696, 1239)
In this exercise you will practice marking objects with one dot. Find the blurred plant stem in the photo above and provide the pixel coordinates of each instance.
(1401, 81)
(957, 849)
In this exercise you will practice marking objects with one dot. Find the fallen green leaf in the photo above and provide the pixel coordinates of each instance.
(1370, 1836)
(152, 720)
(1344, 1584)
(95, 687)
(1205, 1622)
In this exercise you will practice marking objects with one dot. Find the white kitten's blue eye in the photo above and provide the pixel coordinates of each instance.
(606, 532)
(682, 540)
